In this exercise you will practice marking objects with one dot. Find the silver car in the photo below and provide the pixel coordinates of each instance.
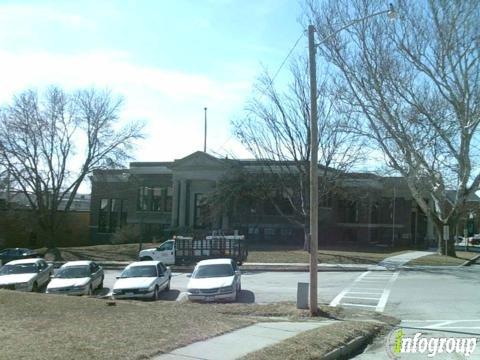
(77, 278)
(25, 275)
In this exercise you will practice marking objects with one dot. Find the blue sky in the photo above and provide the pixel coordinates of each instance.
(168, 59)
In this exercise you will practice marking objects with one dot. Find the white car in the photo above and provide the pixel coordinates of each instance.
(142, 280)
(215, 280)
(77, 278)
(25, 274)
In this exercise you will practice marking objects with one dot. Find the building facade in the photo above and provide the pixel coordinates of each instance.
(162, 198)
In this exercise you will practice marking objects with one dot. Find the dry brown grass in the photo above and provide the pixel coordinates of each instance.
(439, 260)
(120, 252)
(288, 254)
(39, 326)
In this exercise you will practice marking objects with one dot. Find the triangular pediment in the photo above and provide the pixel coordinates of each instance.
(198, 159)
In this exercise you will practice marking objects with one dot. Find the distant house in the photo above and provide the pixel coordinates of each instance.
(18, 227)
(168, 196)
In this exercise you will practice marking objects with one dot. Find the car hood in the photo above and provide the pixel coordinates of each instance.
(147, 251)
(210, 283)
(16, 278)
(61, 283)
(134, 283)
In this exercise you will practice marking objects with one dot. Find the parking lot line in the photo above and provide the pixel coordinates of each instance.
(359, 305)
(359, 297)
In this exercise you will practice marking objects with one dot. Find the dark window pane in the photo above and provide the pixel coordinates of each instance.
(103, 216)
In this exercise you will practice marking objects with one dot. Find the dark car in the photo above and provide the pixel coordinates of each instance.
(10, 254)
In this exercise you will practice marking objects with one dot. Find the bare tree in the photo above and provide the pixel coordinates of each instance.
(414, 84)
(275, 129)
(49, 145)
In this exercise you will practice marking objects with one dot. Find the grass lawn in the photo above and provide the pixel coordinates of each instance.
(316, 343)
(39, 326)
(120, 252)
(438, 260)
(289, 254)
(257, 253)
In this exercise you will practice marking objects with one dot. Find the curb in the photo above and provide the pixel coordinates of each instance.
(352, 347)
(471, 261)
(118, 265)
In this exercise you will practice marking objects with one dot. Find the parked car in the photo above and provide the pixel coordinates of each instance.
(25, 274)
(77, 278)
(215, 280)
(142, 280)
(10, 254)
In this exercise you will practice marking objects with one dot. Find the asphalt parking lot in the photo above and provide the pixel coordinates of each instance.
(258, 287)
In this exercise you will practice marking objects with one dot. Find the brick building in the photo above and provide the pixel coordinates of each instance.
(163, 196)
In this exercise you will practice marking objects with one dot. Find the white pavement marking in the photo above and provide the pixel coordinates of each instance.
(443, 325)
(339, 297)
(386, 293)
(372, 297)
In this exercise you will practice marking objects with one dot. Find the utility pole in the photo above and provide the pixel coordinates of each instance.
(393, 216)
(205, 132)
(313, 173)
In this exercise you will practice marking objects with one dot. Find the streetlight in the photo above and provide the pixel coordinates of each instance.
(391, 13)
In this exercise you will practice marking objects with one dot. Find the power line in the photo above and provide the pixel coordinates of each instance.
(288, 55)
(272, 79)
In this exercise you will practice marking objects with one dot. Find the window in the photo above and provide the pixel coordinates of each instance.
(159, 269)
(168, 199)
(348, 211)
(325, 200)
(200, 211)
(115, 209)
(166, 246)
(154, 199)
(112, 215)
(103, 216)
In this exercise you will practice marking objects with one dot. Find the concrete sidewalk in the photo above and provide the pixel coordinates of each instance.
(402, 259)
(240, 342)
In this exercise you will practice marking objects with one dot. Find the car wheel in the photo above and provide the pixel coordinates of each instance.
(168, 284)
(35, 287)
(155, 294)
(100, 286)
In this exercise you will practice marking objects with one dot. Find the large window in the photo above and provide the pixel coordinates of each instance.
(103, 216)
(200, 215)
(348, 211)
(154, 198)
(112, 215)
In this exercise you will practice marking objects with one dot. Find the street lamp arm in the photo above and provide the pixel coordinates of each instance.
(390, 12)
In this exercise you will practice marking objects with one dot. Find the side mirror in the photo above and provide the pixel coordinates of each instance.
(189, 275)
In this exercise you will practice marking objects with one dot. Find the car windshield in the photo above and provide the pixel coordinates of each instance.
(217, 270)
(140, 271)
(72, 272)
(18, 269)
